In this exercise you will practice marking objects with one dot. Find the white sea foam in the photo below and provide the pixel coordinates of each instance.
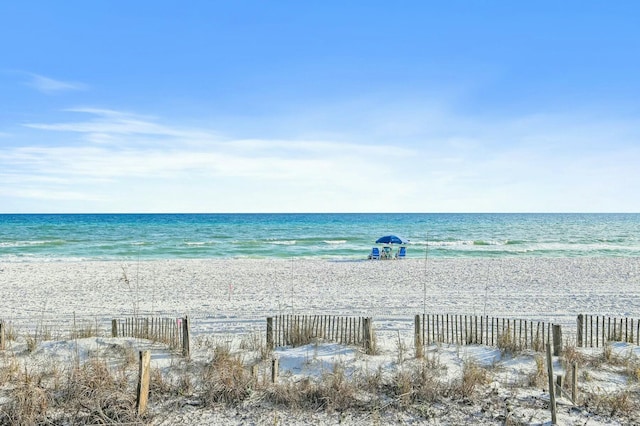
(335, 242)
(460, 243)
(27, 243)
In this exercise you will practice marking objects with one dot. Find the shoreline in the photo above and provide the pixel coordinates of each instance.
(362, 256)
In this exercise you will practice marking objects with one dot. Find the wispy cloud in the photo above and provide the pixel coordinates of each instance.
(51, 86)
(115, 149)
(116, 160)
(105, 123)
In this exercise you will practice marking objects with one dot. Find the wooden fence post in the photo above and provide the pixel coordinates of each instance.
(368, 335)
(559, 384)
(185, 337)
(114, 328)
(552, 390)
(269, 333)
(557, 339)
(274, 370)
(574, 383)
(580, 333)
(2, 344)
(143, 382)
(418, 337)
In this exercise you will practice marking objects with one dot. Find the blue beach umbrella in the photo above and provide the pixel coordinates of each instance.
(392, 239)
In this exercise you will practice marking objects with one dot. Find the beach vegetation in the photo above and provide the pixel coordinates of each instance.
(9, 368)
(401, 349)
(571, 354)
(133, 288)
(97, 385)
(159, 384)
(607, 353)
(100, 389)
(507, 344)
(538, 377)
(85, 329)
(255, 342)
(10, 332)
(473, 376)
(89, 393)
(611, 403)
(225, 379)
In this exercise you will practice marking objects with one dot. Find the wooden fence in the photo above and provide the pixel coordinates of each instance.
(506, 333)
(595, 331)
(295, 330)
(173, 332)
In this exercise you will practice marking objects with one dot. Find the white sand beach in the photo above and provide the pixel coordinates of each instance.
(229, 295)
(229, 298)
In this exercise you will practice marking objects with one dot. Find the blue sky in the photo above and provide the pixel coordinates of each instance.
(254, 106)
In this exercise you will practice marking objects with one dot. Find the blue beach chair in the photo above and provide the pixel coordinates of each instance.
(402, 253)
(375, 254)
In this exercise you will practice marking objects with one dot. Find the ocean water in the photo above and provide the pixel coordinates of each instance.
(51, 237)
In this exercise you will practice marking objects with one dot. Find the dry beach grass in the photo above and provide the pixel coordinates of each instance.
(219, 387)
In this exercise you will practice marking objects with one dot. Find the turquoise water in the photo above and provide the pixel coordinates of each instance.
(337, 236)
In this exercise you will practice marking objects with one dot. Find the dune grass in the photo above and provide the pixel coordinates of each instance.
(100, 388)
